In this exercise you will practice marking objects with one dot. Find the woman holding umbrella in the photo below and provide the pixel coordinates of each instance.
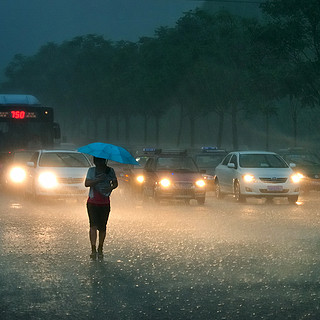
(102, 180)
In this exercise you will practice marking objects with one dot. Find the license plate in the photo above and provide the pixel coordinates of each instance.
(183, 186)
(274, 188)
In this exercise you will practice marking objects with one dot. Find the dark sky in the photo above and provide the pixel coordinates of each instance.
(26, 25)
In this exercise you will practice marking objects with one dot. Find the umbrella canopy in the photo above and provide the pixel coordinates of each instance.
(109, 152)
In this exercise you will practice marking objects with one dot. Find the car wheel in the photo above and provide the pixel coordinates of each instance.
(201, 200)
(293, 199)
(219, 194)
(237, 193)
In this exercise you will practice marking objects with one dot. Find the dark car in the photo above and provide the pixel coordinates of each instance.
(173, 175)
(307, 164)
(207, 160)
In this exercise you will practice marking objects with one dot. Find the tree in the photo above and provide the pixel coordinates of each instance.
(297, 41)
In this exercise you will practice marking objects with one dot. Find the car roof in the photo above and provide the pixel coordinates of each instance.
(57, 150)
(253, 152)
(172, 155)
(213, 152)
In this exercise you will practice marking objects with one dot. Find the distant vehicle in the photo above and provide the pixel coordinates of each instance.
(207, 160)
(173, 175)
(307, 164)
(25, 123)
(132, 177)
(57, 173)
(256, 174)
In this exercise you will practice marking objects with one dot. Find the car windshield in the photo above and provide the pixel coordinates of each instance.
(209, 161)
(142, 160)
(261, 161)
(303, 159)
(63, 159)
(22, 157)
(185, 164)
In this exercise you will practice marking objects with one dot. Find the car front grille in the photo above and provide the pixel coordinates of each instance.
(183, 192)
(183, 185)
(274, 191)
(273, 180)
(70, 180)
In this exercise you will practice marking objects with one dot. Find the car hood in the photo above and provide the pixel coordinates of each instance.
(267, 172)
(65, 172)
(137, 171)
(210, 171)
(179, 176)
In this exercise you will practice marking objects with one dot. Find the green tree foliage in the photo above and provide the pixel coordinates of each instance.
(208, 63)
(294, 36)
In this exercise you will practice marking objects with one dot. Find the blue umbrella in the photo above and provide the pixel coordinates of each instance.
(109, 152)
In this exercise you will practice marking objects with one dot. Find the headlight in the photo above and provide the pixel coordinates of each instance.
(200, 183)
(249, 178)
(17, 175)
(296, 178)
(165, 183)
(207, 177)
(140, 179)
(47, 180)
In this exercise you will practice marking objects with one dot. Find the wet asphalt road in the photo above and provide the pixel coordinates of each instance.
(222, 260)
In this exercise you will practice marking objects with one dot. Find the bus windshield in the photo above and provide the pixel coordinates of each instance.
(27, 135)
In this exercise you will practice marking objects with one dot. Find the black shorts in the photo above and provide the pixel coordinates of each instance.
(98, 216)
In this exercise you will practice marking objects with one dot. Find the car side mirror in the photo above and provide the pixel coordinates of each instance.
(31, 164)
(292, 165)
(231, 165)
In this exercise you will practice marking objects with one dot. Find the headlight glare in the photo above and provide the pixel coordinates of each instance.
(249, 178)
(200, 183)
(165, 183)
(140, 179)
(296, 178)
(17, 175)
(47, 180)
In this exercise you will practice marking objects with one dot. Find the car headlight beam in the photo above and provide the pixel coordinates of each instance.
(47, 180)
(249, 178)
(17, 175)
(200, 183)
(297, 177)
(140, 179)
(165, 183)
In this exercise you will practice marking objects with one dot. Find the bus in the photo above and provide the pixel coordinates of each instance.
(26, 124)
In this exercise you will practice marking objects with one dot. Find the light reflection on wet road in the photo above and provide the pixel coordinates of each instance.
(222, 260)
